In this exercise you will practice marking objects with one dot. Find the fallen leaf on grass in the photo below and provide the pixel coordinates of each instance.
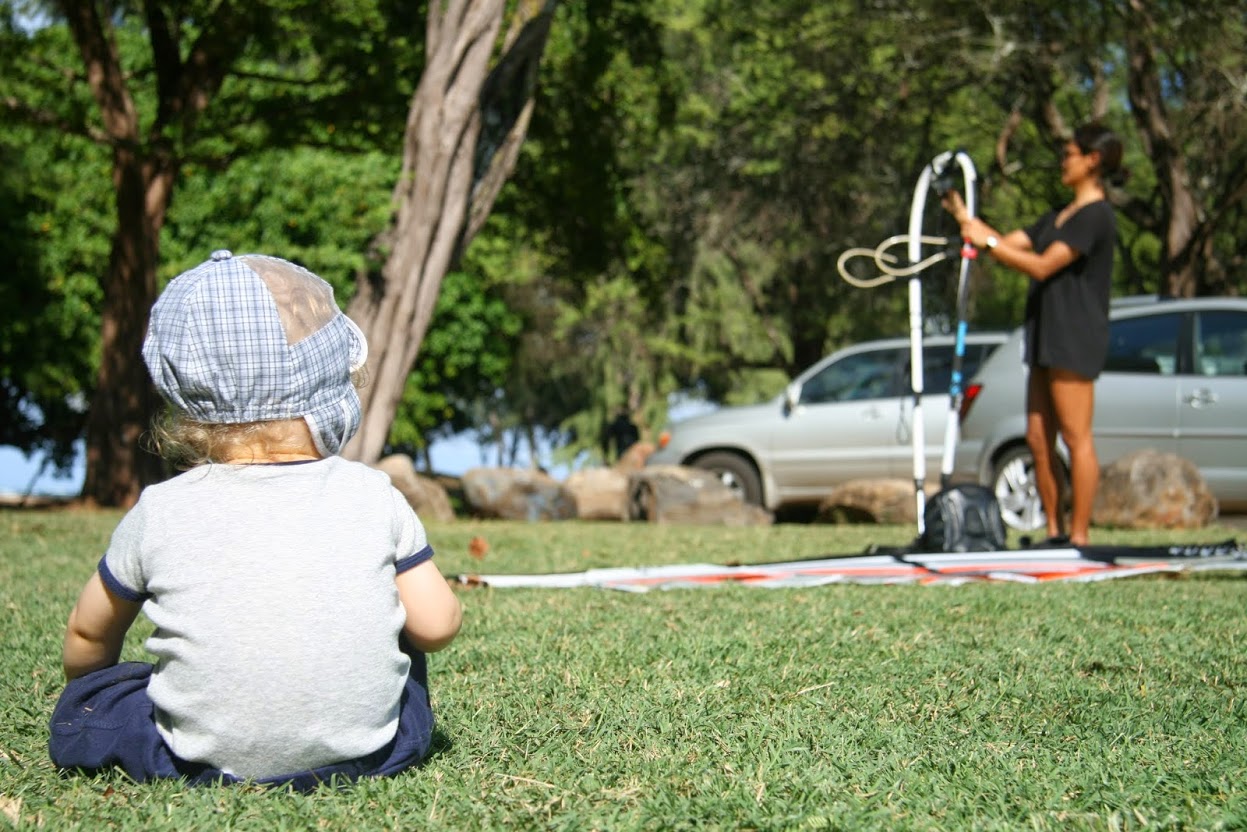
(477, 547)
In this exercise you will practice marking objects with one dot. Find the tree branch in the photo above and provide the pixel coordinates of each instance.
(1010, 128)
(506, 106)
(104, 74)
(45, 118)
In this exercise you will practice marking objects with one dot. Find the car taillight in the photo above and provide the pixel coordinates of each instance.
(664, 439)
(967, 399)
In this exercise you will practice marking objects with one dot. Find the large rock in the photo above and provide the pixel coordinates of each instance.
(599, 493)
(429, 499)
(884, 501)
(517, 494)
(679, 494)
(1149, 489)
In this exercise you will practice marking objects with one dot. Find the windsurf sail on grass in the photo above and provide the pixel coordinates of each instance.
(1089, 563)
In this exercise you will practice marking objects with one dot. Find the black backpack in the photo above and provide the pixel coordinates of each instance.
(963, 518)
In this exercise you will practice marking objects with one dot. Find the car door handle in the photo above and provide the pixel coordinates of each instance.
(1201, 398)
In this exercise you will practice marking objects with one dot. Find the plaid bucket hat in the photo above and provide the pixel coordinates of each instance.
(254, 338)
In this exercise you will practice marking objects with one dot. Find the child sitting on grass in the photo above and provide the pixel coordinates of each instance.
(292, 592)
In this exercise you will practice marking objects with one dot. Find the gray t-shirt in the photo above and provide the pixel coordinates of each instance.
(277, 617)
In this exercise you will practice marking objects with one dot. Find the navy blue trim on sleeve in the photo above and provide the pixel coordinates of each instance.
(412, 561)
(118, 588)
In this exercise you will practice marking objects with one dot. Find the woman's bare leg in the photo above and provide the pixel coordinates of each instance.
(1073, 401)
(1041, 432)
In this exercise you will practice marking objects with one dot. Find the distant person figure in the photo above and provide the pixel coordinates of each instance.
(620, 435)
(1068, 256)
(292, 592)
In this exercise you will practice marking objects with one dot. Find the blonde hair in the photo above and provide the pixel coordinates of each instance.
(186, 443)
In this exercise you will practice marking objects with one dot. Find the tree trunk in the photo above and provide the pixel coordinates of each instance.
(125, 401)
(145, 166)
(463, 134)
(1179, 237)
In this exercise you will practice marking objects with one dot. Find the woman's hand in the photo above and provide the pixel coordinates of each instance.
(973, 229)
(955, 205)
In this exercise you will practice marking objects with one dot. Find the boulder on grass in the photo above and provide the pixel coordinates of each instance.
(427, 497)
(599, 493)
(1150, 489)
(517, 494)
(883, 501)
(679, 494)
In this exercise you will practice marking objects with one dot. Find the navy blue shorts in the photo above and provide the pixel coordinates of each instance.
(105, 719)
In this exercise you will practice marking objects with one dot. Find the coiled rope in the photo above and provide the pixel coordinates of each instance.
(884, 261)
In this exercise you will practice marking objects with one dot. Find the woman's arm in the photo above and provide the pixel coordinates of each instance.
(1055, 257)
(1014, 249)
(97, 629)
(433, 611)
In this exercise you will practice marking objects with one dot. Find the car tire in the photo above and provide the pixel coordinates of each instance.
(734, 471)
(1013, 483)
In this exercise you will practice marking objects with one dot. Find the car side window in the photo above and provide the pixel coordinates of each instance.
(937, 366)
(1221, 343)
(1144, 345)
(937, 369)
(863, 375)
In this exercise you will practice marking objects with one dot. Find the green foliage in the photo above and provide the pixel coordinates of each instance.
(720, 155)
(464, 360)
(54, 232)
(617, 360)
(324, 209)
(305, 74)
(802, 140)
(588, 272)
(692, 173)
(1102, 706)
(313, 206)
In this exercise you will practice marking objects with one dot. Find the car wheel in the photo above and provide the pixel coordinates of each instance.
(734, 471)
(1013, 482)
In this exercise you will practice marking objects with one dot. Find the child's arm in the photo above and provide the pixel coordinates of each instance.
(433, 611)
(97, 628)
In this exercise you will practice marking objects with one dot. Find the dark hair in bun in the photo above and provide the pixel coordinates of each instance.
(1096, 138)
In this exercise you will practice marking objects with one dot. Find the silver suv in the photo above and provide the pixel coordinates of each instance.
(1176, 381)
(846, 417)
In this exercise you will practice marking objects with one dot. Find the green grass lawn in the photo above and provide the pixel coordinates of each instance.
(1115, 705)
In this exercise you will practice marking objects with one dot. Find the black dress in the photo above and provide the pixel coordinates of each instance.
(1067, 314)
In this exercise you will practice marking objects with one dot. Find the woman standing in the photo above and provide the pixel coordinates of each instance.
(1068, 256)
